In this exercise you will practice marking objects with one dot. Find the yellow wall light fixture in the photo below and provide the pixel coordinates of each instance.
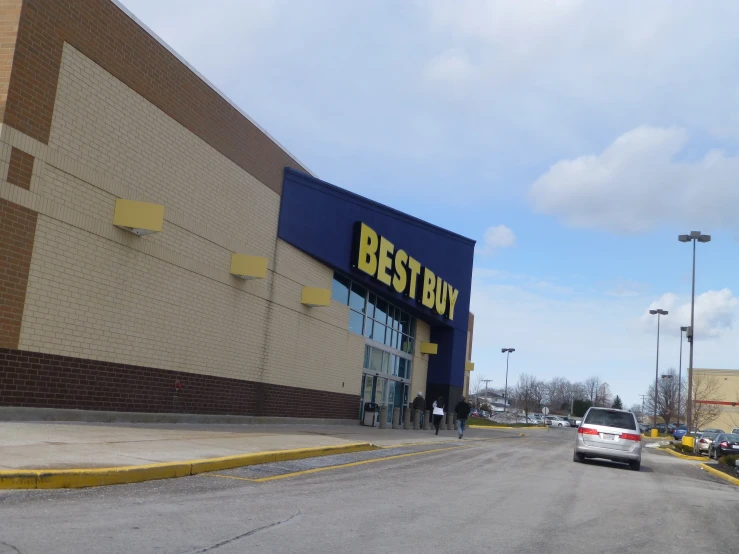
(139, 218)
(429, 348)
(248, 267)
(316, 297)
(469, 366)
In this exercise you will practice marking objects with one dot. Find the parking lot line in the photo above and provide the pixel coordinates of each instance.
(338, 466)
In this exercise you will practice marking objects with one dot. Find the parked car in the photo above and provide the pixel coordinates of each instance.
(702, 442)
(610, 434)
(718, 431)
(679, 432)
(556, 421)
(724, 444)
(735, 431)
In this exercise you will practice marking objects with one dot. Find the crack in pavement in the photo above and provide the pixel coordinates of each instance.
(247, 534)
(10, 546)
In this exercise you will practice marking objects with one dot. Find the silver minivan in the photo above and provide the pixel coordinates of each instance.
(609, 434)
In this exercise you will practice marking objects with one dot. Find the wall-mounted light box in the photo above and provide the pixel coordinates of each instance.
(429, 348)
(248, 267)
(316, 297)
(139, 218)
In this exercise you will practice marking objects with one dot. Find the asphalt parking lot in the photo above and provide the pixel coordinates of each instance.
(494, 491)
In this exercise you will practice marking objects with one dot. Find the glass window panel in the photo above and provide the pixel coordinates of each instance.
(412, 327)
(378, 333)
(340, 289)
(406, 344)
(393, 364)
(358, 298)
(356, 321)
(408, 369)
(368, 328)
(381, 311)
(385, 362)
(376, 360)
(401, 367)
(389, 337)
(367, 351)
(396, 340)
(371, 305)
(404, 326)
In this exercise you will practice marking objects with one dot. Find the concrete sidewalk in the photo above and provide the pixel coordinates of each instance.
(63, 445)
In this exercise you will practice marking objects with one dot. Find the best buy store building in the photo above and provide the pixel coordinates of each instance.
(162, 253)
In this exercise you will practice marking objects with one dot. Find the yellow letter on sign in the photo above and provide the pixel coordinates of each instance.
(385, 261)
(400, 280)
(429, 280)
(367, 254)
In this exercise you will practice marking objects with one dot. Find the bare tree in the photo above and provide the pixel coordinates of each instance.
(526, 392)
(591, 386)
(559, 393)
(603, 395)
(636, 408)
(705, 388)
(667, 397)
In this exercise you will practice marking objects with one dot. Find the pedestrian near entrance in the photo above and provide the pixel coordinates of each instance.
(419, 404)
(462, 410)
(438, 413)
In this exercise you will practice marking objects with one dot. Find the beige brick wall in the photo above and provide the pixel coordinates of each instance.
(420, 361)
(165, 300)
(724, 387)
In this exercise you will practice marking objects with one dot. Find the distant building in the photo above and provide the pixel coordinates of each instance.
(722, 392)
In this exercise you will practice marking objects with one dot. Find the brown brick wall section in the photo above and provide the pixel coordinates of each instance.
(105, 34)
(10, 12)
(21, 169)
(42, 380)
(17, 230)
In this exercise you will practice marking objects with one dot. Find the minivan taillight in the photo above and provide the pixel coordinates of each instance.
(586, 431)
(631, 437)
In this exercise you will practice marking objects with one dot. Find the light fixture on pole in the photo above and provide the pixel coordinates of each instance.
(680, 376)
(507, 352)
(694, 237)
(658, 313)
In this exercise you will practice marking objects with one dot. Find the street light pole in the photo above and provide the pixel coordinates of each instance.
(694, 236)
(658, 313)
(507, 352)
(680, 376)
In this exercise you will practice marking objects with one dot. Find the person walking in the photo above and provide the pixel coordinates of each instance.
(419, 404)
(438, 413)
(462, 409)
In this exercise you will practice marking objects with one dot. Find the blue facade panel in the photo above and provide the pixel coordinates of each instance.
(319, 219)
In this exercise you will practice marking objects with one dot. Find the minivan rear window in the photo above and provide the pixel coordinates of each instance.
(621, 420)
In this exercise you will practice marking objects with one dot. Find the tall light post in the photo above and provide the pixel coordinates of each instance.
(694, 237)
(658, 313)
(680, 375)
(507, 352)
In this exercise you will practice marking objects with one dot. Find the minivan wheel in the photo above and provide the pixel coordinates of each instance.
(576, 457)
(636, 466)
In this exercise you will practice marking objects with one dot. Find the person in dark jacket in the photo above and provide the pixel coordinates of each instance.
(419, 403)
(462, 409)
(438, 413)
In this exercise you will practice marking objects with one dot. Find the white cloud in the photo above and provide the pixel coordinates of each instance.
(497, 237)
(451, 66)
(715, 312)
(639, 182)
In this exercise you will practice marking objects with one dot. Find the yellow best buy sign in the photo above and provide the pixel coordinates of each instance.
(378, 257)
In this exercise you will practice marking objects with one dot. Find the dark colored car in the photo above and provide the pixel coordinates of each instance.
(724, 444)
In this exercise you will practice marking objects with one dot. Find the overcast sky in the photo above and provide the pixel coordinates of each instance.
(573, 140)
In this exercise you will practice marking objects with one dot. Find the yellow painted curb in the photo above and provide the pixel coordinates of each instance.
(720, 474)
(683, 456)
(79, 478)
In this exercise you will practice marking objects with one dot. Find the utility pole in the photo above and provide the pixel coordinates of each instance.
(486, 381)
(643, 396)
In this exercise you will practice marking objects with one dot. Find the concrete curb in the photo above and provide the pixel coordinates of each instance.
(682, 456)
(472, 426)
(720, 474)
(80, 478)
